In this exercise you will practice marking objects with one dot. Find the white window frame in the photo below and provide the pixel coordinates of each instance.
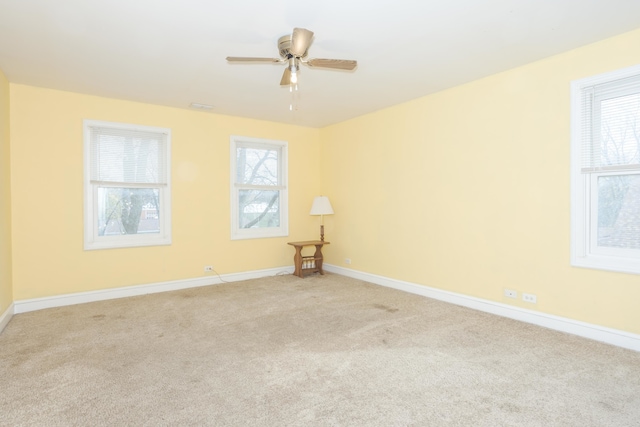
(92, 239)
(585, 251)
(238, 233)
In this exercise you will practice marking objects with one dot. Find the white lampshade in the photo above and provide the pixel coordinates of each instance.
(321, 206)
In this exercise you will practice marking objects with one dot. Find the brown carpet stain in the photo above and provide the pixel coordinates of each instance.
(385, 308)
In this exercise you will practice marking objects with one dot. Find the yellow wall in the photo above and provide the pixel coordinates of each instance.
(6, 293)
(47, 195)
(465, 190)
(468, 190)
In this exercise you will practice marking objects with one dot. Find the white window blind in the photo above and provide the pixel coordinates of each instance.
(125, 156)
(610, 125)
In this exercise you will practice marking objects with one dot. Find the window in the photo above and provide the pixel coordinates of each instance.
(258, 188)
(127, 199)
(605, 150)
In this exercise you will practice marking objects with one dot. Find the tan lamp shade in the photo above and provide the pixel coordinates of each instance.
(321, 206)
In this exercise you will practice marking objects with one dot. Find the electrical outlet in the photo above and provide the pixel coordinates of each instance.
(208, 268)
(347, 260)
(510, 293)
(529, 298)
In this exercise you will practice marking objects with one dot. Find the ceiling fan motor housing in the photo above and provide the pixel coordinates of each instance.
(284, 44)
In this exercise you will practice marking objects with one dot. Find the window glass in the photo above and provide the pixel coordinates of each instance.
(128, 211)
(619, 211)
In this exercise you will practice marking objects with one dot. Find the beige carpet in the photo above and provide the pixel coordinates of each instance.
(323, 351)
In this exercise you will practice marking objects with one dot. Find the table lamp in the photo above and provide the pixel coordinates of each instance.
(321, 206)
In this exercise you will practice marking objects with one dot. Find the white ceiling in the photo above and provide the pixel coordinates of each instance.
(172, 52)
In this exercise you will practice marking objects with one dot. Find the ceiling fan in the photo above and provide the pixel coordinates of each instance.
(293, 51)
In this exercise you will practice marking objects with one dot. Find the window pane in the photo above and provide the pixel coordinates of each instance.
(620, 131)
(128, 211)
(619, 211)
(127, 156)
(259, 209)
(257, 166)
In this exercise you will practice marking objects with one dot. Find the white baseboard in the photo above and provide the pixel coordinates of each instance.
(6, 317)
(595, 332)
(23, 306)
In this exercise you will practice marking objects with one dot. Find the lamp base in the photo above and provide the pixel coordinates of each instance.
(322, 233)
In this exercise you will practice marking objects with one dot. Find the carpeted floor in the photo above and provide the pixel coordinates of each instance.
(323, 351)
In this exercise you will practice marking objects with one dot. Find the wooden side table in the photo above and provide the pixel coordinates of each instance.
(308, 264)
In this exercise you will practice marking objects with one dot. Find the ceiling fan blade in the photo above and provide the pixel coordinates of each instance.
(286, 77)
(300, 41)
(250, 59)
(338, 64)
